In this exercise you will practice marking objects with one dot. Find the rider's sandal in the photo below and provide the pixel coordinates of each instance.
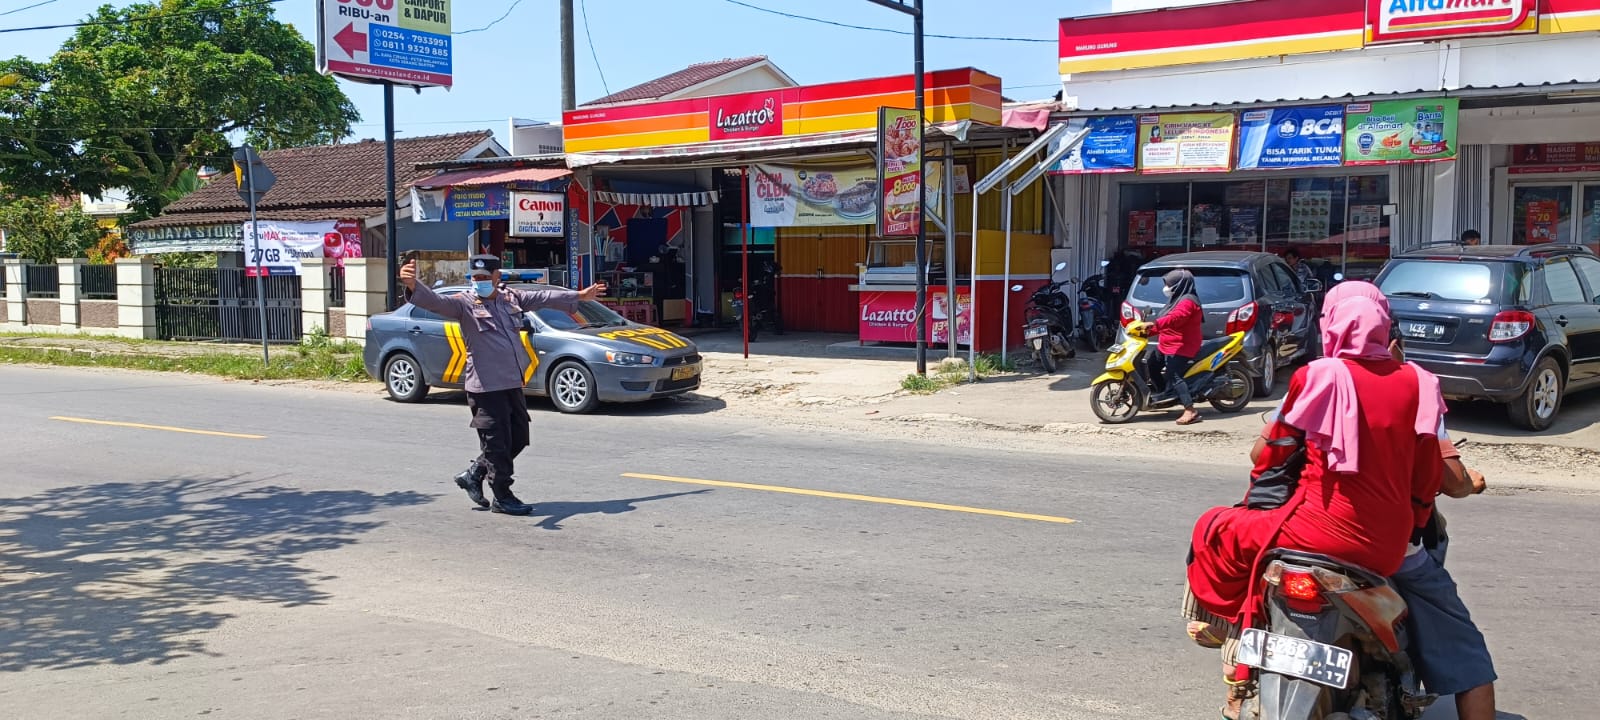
(1204, 635)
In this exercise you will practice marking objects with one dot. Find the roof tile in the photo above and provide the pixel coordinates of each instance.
(680, 80)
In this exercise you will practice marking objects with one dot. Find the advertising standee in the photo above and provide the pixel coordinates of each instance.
(899, 172)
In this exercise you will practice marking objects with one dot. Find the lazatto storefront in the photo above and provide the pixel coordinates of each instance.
(1347, 130)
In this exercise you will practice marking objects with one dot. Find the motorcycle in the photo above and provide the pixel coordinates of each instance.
(1220, 375)
(1094, 314)
(762, 301)
(1050, 323)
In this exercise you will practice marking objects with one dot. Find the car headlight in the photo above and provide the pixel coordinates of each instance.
(628, 358)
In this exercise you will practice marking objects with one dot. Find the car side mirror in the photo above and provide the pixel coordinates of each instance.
(1313, 286)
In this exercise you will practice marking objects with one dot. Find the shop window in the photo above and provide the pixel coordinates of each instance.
(1227, 214)
(1154, 218)
(1541, 214)
(1590, 229)
(1307, 214)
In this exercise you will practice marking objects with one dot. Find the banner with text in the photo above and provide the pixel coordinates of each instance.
(1400, 131)
(900, 172)
(538, 214)
(1189, 142)
(1298, 137)
(805, 196)
(280, 246)
(1111, 145)
(891, 316)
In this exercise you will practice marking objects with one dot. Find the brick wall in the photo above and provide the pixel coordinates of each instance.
(44, 312)
(336, 323)
(97, 313)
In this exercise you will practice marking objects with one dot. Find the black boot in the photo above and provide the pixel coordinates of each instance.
(508, 504)
(471, 480)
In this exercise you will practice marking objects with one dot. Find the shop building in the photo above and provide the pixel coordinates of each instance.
(1348, 130)
(787, 175)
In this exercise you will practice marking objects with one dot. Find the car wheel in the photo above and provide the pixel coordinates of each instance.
(572, 388)
(1537, 407)
(402, 377)
(1269, 373)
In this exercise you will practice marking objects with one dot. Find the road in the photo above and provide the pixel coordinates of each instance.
(312, 560)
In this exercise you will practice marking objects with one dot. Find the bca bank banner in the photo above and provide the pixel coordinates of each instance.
(1299, 137)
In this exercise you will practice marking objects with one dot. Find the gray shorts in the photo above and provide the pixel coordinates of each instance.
(1449, 651)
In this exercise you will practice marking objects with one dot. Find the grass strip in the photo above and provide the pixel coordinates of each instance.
(954, 372)
(294, 362)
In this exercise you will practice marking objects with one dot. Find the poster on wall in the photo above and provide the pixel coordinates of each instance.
(1244, 225)
(1401, 131)
(1310, 215)
(477, 203)
(1169, 228)
(537, 214)
(1543, 221)
(963, 181)
(427, 206)
(1141, 228)
(1299, 137)
(1207, 219)
(899, 172)
(805, 196)
(343, 243)
(1190, 142)
(1110, 144)
(891, 317)
(279, 246)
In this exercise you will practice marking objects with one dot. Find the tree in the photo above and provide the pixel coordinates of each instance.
(41, 230)
(157, 89)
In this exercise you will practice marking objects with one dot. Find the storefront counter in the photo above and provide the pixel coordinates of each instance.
(887, 313)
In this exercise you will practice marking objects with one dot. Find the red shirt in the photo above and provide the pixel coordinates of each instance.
(1181, 330)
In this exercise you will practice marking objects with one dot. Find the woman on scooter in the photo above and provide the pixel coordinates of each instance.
(1369, 426)
(1180, 335)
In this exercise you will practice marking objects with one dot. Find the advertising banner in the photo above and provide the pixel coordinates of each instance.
(1400, 131)
(1555, 158)
(806, 196)
(537, 214)
(1111, 145)
(1544, 220)
(1190, 142)
(891, 317)
(899, 172)
(1392, 21)
(1299, 137)
(280, 246)
(477, 203)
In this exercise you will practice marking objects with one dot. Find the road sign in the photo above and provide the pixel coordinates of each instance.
(405, 42)
(251, 174)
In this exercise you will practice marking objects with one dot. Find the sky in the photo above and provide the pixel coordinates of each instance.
(512, 68)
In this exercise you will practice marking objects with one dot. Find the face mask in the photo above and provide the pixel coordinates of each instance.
(484, 288)
(1167, 291)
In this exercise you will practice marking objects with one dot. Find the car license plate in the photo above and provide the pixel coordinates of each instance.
(685, 372)
(1424, 330)
(1035, 332)
(1304, 659)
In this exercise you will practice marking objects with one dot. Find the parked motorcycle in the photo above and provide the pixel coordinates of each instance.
(1220, 375)
(763, 301)
(1050, 315)
(1095, 328)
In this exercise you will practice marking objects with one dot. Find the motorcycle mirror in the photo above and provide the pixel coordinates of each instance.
(1016, 288)
(1105, 263)
(1060, 267)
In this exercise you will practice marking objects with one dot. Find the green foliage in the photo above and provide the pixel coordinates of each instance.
(38, 229)
(287, 363)
(954, 372)
(140, 104)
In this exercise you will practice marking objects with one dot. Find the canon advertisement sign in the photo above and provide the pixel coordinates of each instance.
(538, 214)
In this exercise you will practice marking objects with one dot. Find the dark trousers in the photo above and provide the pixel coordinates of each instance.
(1176, 366)
(501, 419)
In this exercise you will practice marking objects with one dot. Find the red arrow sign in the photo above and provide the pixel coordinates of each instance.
(351, 41)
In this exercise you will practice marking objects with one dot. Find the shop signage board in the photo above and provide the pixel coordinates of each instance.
(216, 237)
(899, 172)
(952, 95)
(1555, 158)
(1209, 33)
(813, 195)
(1186, 142)
(1392, 21)
(538, 214)
(1296, 137)
(1111, 145)
(1401, 131)
(280, 245)
(891, 316)
(477, 203)
(406, 42)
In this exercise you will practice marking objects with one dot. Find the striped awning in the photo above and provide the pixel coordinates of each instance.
(686, 199)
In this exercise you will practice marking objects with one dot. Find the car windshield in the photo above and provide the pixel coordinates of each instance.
(1454, 281)
(1214, 286)
(589, 314)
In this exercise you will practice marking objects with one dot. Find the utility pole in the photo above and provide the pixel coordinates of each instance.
(914, 9)
(569, 91)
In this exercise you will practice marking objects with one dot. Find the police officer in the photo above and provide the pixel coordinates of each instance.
(491, 324)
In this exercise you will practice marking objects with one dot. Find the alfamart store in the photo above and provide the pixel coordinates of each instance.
(1346, 129)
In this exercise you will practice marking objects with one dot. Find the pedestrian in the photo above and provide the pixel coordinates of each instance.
(491, 325)
(1180, 332)
(1470, 238)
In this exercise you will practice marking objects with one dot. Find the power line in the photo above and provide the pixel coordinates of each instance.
(584, 5)
(149, 18)
(891, 31)
(492, 24)
(27, 7)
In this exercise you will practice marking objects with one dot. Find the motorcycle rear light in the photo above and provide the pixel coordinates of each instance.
(1242, 319)
(1299, 586)
(1510, 325)
(1130, 315)
(1084, 305)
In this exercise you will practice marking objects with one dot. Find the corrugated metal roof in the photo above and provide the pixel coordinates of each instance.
(493, 176)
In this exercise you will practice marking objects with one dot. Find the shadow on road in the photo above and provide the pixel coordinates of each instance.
(686, 404)
(125, 573)
(552, 514)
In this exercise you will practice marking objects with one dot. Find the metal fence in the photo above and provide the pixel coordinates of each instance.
(97, 282)
(44, 281)
(336, 287)
(221, 304)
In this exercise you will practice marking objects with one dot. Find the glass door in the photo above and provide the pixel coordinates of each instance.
(1589, 228)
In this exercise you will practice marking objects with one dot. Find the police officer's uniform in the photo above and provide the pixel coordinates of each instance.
(492, 330)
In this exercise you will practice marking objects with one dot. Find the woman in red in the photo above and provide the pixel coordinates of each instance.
(1372, 469)
(1179, 329)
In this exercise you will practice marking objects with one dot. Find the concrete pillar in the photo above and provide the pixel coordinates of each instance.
(71, 293)
(314, 295)
(136, 298)
(16, 298)
(366, 290)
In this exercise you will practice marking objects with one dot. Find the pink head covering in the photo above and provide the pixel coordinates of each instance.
(1355, 326)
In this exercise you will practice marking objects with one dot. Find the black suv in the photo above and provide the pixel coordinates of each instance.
(1518, 325)
(1253, 292)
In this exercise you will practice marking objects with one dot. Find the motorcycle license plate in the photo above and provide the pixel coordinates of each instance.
(1304, 659)
(1035, 332)
(685, 372)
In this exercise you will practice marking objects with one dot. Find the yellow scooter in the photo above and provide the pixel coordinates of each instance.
(1219, 375)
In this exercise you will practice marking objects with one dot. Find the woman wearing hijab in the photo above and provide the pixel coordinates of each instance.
(1369, 423)
(1179, 331)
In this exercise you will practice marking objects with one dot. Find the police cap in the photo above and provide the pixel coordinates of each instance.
(484, 265)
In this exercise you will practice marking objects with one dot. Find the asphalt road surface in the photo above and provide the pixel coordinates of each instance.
(311, 559)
